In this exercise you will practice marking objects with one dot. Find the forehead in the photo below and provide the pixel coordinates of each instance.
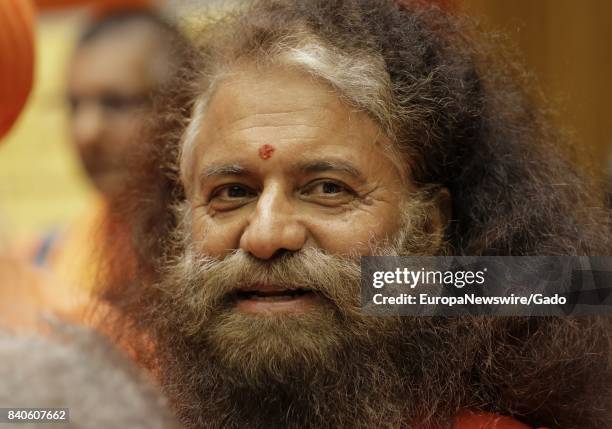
(296, 113)
(252, 96)
(119, 59)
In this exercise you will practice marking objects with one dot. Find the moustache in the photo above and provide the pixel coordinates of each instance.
(207, 285)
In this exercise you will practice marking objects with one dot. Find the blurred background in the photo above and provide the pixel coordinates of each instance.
(564, 43)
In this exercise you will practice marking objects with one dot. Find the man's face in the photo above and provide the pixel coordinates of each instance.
(110, 82)
(281, 165)
(286, 186)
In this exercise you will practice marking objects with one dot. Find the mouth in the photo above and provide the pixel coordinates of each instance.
(261, 299)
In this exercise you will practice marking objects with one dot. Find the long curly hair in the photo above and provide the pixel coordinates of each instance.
(464, 116)
(462, 111)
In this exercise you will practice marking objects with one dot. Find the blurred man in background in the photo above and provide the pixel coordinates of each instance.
(128, 38)
(77, 369)
(120, 60)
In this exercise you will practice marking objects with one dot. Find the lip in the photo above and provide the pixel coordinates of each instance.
(265, 288)
(273, 299)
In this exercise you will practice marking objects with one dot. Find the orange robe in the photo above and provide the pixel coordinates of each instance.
(473, 420)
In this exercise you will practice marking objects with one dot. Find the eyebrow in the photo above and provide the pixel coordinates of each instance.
(315, 166)
(320, 166)
(216, 170)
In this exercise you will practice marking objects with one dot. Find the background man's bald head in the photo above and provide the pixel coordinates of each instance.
(83, 373)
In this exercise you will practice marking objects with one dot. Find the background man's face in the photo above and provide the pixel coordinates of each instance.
(282, 164)
(111, 79)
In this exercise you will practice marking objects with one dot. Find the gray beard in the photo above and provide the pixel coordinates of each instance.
(390, 381)
(332, 367)
(336, 368)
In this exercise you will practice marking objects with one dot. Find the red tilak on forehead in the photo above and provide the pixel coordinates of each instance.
(266, 151)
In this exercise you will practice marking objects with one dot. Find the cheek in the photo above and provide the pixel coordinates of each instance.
(134, 133)
(355, 232)
(122, 139)
(212, 237)
(127, 130)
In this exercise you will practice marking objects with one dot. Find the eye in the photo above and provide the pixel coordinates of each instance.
(236, 191)
(331, 188)
(73, 103)
(228, 197)
(121, 103)
(327, 187)
(328, 192)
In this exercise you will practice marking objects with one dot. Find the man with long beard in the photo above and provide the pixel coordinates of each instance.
(303, 135)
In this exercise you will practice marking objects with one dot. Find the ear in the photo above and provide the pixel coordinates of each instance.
(440, 214)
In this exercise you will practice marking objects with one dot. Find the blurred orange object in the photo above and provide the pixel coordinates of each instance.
(26, 294)
(100, 6)
(16, 59)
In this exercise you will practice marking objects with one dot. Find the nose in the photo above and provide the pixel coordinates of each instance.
(273, 227)
(87, 125)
